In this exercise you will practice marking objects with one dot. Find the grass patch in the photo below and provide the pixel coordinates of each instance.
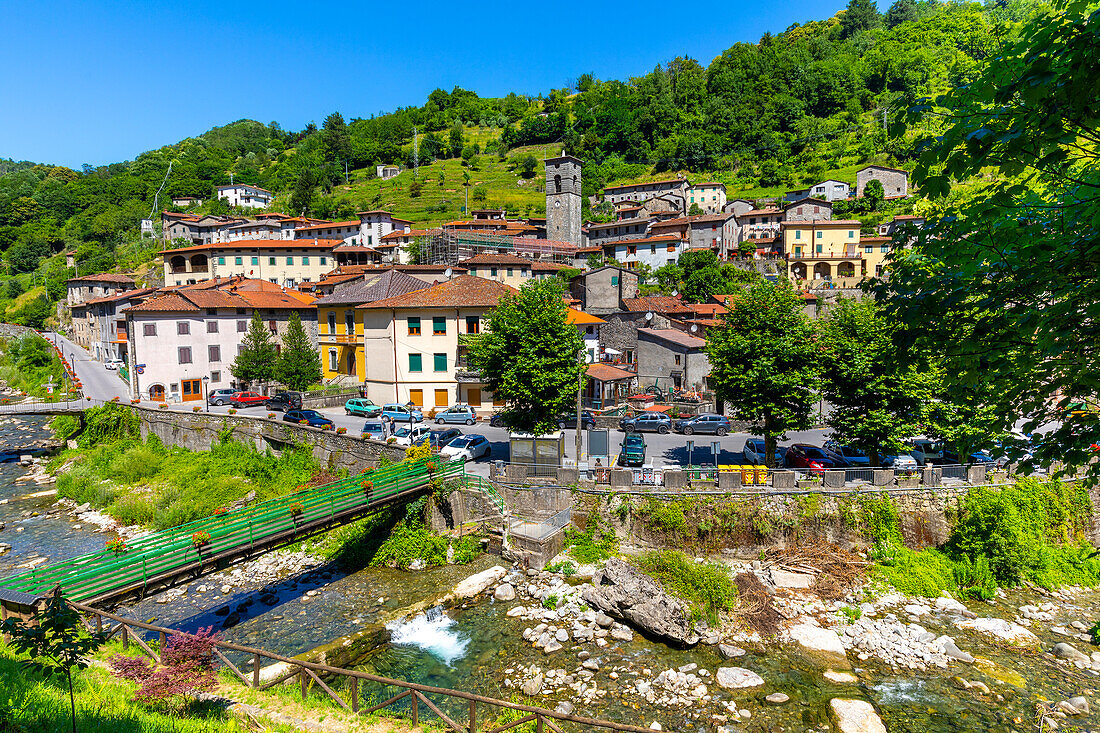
(597, 541)
(707, 587)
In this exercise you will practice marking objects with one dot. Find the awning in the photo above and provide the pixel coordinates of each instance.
(613, 352)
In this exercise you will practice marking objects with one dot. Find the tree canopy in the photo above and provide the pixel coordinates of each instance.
(256, 362)
(299, 364)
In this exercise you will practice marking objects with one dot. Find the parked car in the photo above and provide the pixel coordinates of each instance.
(647, 422)
(283, 401)
(854, 457)
(588, 420)
(951, 457)
(754, 452)
(407, 435)
(374, 429)
(903, 462)
(441, 438)
(401, 413)
(632, 450)
(313, 418)
(362, 406)
(470, 447)
(712, 424)
(812, 457)
(221, 397)
(925, 450)
(114, 364)
(463, 414)
(496, 420)
(247, 399)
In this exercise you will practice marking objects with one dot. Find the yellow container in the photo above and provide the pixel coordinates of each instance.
(761, 475)
(748, 476)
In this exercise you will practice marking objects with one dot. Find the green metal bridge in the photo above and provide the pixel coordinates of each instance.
(159, 560)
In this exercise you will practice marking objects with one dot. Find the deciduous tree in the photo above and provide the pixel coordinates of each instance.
(529, 357)
(765, 363)
(298, 365)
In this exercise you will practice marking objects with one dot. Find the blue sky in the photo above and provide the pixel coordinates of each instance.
(100, 82)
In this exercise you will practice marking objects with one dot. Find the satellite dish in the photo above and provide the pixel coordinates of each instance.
(675, 293)
(588, 358)
(448, 273)
(694, 327)
(649, 316)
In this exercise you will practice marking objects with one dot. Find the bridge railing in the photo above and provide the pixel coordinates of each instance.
(158, 555)
(343, 686)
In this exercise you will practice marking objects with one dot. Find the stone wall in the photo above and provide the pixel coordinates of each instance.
(12, 330)
(199, 431)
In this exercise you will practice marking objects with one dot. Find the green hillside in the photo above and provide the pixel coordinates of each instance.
(793, 108)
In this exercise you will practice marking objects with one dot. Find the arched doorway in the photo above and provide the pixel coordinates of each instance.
(179, 264)
(845, 269)
(822, 271)
(798, 271)
(198, 263)
(156, 392)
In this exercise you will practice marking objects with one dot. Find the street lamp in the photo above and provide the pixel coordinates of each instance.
(206, 394)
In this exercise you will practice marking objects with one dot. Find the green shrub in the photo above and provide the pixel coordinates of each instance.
(707, 587)
(466, 549)
(408, 542)
(133, 509)
(597, 542)
(974, 578)
(65, 426)
(926, 573)
(551, 601)
(666, 516)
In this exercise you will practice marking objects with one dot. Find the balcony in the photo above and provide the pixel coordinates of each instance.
(467, 376)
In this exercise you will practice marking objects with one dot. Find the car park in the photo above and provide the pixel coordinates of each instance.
(462, 414)
(588, 421)
(283, 401)
(469, 447)
(247, 399)
(402, 413)
(408, 435)
(632, 450)
(114, 364)
(362, 406)
(706, 423)
(311, 417)
(374, 429)
(440, 438)
(647, 422)
(220, 397)
(812, 458)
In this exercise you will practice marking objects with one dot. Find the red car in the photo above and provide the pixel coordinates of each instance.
(247, 399)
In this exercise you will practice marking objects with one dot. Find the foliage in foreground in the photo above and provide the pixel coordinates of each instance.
(707, 587)
(186, 668)
(1031, 532)
(28, 362)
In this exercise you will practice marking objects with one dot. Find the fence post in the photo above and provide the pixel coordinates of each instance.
(473, 716)
(355, 695)
(256, 670)
(125, 637)
(415, 708)
(161, 643)
(98, 624)
(538, 724)
(302, 677)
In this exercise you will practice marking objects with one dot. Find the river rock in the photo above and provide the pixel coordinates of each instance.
(478, 582)
(504, 592)
(737, 678)
(532, 686)
(821, 645)
(517, 611)
(1000, 630)
(603, 620)
(565, 708)
(1080, 702)
(855, 716)
(840, 678)
(551, 647)
(621, 633)
(1068, 652)
(729, 651)
(777, 698)
(623, 592)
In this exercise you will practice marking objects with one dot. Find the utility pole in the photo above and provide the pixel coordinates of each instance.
(580, 393)
(416, 153)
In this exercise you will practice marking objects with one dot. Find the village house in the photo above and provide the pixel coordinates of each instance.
(639, 192)
(830, 190)
(710, 197)
(204, 229)
(669, 358)
(824, 251)
(895, 181)
(183, 342)
(186, 201)
(808, 209)
(601, 233)
(346, 231)
(375, 224)
(245, 196)
(656, 251)
(603, 289)
(758, 224)
(102, 324)
(285, 262)
(386, 172)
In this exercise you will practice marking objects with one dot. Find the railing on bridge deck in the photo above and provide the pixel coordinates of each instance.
(155, 559)
(348, 693)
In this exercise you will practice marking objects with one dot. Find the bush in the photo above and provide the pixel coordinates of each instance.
(926, 573)
(595, 543)
(707, 587)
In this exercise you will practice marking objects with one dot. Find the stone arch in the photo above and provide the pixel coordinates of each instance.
(846, 269)
(822, 270)
(798, 270)
(178, 263)
(557, 183)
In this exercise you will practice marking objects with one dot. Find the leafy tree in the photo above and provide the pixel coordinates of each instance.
(301, 198)
(877, 398)
(1004, 281)
(298, 365)
(56, 640)
(527, 166)
(529, 357)
(873, 195)
(256, 362)
(860, 15)
(25, 255)
(765, 364)
(902, 11)
(335, 138)
(694, 209)
(455, 140)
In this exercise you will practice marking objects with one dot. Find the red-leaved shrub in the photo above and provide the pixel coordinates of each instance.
(187, 668)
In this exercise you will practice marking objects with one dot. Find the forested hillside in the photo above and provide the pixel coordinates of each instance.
(785, 111)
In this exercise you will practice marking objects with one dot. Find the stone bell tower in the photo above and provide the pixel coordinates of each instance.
(563, 199)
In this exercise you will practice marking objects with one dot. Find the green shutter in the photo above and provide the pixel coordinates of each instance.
(441, 362)
(439, 324)
(416, 363)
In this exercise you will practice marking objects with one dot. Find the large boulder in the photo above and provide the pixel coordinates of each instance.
(1000, 630)
(624, 592)
(855, 716)
(478, 583)
(822, 646)
(737, 678)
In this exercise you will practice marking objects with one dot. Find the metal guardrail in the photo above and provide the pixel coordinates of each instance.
(158, 558)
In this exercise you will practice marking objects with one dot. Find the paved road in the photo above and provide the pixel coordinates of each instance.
(662, 450)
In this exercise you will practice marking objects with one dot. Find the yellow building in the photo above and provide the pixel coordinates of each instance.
(824, 251)
(340, 323)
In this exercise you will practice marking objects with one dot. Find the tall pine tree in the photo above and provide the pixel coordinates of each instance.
(298, 365)
(256, 362)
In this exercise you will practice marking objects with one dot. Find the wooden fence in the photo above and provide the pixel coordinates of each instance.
(311, 674)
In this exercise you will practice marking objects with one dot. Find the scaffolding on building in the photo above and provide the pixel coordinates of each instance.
(448, 246)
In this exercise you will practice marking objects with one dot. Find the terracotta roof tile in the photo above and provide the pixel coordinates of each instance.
(673, 336)
(167, 303)
(319, 244)
(104, 277)
(492, 258)
(656, 303)
(375, 286)
(464, 291)
(608, 373)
